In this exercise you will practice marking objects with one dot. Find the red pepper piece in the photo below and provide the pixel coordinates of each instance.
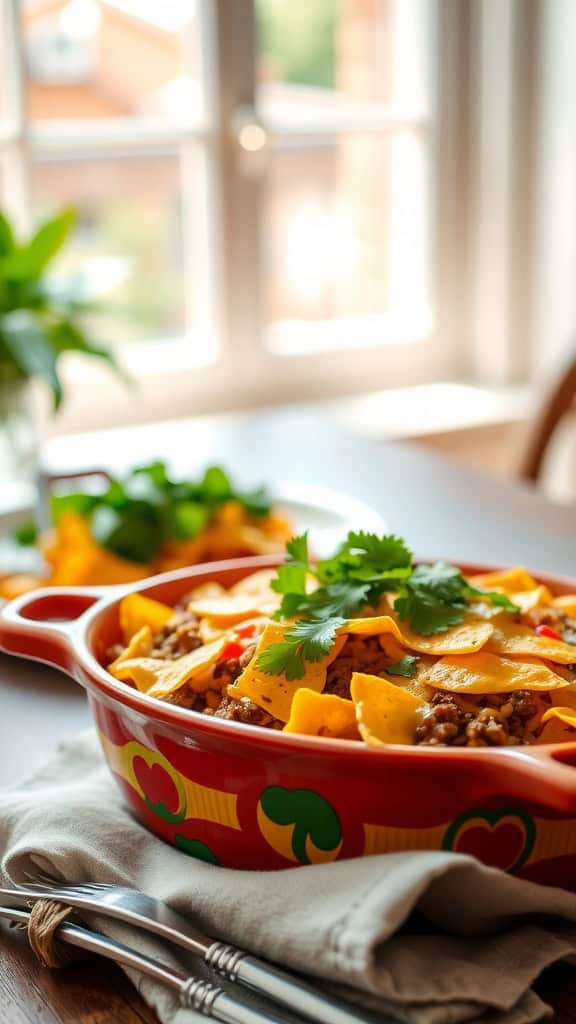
(245, 631)
(546, 631)
(232, 650)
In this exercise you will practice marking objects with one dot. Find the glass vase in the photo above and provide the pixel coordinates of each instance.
(19, 445)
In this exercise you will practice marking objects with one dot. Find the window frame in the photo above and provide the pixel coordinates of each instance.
(246, 372)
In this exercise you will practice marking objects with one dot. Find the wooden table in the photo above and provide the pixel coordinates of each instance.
(441, 508)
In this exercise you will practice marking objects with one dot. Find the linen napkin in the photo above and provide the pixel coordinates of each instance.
(422, 937)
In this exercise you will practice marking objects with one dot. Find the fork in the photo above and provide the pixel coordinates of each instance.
(193, 993)
(137, 908)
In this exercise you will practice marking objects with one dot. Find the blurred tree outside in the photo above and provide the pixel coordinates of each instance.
(297, 40)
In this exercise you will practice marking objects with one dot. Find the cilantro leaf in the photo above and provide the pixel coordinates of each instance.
(156, 472)
(426, 614)
(315, 637)
(297, 550)
(439, 580)
(133, 533)
(384, 554)
(291, 606)
(26, 533)
(216, 485)
(282, 659)
(256, 503)
(306, 640)
(495, 597)
(368, 557)
(434, 598)
(185, 519)
(339, 599)
(291, 579)
(405, 667)
(77, 502)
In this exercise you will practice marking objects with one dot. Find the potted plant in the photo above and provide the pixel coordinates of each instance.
(40, 319)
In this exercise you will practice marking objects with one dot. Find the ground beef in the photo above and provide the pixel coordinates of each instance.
(226, 671)
(245, 659)
(556, 619)
(246, 711)
(357, 655)
(569, 633)
(501, 720)
(179, 636)
(186, 697)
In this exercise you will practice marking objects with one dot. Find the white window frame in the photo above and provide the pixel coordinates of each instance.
(245, 371)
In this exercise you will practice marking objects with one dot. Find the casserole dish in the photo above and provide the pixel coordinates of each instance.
(245, 797)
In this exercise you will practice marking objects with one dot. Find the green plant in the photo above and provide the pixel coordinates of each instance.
(39, 318)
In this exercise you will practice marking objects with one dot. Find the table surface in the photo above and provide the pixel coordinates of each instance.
(441, 508)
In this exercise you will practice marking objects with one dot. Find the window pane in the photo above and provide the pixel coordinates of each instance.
(127, 248)
(345, 239)
(342, 57)
(112, 58)
(3, 63)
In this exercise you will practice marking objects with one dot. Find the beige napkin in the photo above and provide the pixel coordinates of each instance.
(428, 938)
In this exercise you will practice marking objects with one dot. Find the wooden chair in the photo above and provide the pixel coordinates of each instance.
(559, 401)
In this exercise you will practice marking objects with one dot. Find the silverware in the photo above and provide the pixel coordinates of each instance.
(193, 993)
(136, 908)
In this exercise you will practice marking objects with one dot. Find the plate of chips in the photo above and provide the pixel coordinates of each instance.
(98, 529)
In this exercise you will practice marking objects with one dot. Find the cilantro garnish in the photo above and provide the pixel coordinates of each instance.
(308, 640)
(137, 514)
(405, 667)
(26, 533)
(429, 598)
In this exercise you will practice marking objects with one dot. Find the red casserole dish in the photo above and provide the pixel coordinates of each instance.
(247, 797)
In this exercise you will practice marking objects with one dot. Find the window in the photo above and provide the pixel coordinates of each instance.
(259, 185)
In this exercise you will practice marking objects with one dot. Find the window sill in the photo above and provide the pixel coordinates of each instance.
(429, 409)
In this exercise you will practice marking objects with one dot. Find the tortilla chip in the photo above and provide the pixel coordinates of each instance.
(373, 626)
(211, 589)
(274, 694)
(136, 611)
(507, 580)
(322, 714)
(526, 600)
(565, 715)
(385, 713)
(160, 678)
(488, 673)
(20, 583)
(257, 584)
(514, 640)
(230, 609)
(566, 603)
(467, 637)
(139, 647)
(77, 560)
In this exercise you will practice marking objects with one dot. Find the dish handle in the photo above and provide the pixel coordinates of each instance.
(542, 774)
(43, 624)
